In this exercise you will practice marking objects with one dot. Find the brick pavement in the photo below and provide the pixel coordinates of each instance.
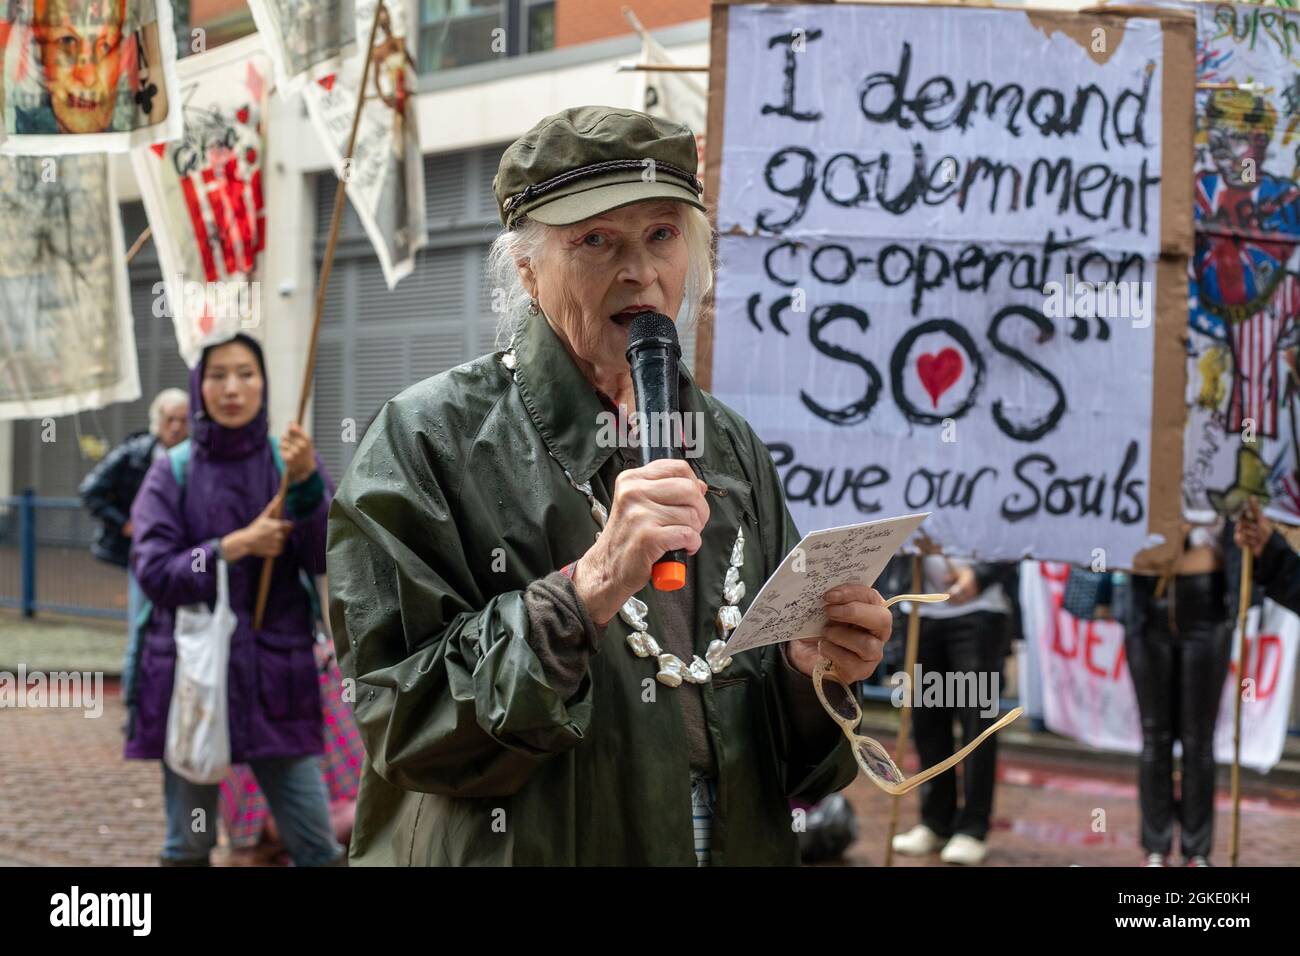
(67, 797)
(1044, 810)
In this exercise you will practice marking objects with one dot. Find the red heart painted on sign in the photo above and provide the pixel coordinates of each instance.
(939, 372)
(242, 115)
(327, 81)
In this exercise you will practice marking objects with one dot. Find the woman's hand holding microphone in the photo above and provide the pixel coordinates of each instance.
(656, 508)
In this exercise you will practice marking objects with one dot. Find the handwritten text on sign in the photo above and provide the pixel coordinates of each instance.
(899, 186)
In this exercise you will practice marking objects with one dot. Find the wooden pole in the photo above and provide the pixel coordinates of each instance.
(905, 718)
(139, 242)
(1243, 605)
(660, 68)
(336, 220)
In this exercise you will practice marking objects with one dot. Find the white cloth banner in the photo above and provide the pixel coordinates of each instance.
(86, 76)
(67, 342)
(385, 178)
(306, 39)
(680, 97)
(204, 197)
(891, 353)
(1087, 693)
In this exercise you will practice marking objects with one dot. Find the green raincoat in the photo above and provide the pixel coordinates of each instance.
(452, 506)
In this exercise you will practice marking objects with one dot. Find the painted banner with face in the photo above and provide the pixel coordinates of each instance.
(67, 342)
(1084, 690)
(82, 76)
(385, 177)
(951, 278)
(306, 39)
(1243, 397)
(205, 199)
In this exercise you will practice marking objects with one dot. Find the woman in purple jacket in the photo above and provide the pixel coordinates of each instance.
(181, 531)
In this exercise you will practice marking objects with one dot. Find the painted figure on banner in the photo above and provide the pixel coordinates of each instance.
(1244, 297)
(79, 67)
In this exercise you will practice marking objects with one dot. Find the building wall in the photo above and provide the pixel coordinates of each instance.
(581, 21)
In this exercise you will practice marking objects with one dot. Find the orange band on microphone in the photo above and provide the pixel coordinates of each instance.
(668, 575)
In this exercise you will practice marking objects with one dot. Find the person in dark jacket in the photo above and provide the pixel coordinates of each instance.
(224, 512)
(108, 493)
(1277, 567)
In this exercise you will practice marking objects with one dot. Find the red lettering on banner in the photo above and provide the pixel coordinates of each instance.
(1270, 647)
(1266, 659)
(1065, 622)
(1091, 639)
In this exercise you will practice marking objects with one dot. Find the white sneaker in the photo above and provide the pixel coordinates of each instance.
(917, 841)
(965, 850)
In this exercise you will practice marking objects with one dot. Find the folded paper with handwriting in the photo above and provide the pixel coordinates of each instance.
(789, 605)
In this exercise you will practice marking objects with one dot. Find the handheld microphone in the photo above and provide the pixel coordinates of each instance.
(653, 353)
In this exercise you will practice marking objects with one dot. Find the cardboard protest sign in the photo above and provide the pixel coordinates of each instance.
(951, 277)
(85, 76)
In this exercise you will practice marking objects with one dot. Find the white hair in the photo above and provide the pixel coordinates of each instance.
(168, 396)
(528, 241)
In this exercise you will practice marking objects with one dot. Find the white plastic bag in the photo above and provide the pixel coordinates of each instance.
(198, 730)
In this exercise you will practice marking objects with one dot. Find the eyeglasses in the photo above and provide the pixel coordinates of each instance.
(840, 702)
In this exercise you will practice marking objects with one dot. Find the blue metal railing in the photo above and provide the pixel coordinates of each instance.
(45, 560)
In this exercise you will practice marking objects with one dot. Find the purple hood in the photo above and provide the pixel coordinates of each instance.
(217, 441)
(274, 696)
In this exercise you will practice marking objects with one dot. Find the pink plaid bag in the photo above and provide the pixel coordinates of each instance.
(244, 810)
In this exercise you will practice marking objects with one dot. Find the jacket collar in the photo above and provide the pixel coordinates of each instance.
(563, 405)
(566, 408)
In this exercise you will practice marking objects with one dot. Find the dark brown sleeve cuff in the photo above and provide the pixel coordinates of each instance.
(560, 631)
(814, 730)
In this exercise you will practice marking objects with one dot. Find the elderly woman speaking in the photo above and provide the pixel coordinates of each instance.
(525, 695)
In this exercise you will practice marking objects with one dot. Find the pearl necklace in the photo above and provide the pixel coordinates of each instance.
(672, 669)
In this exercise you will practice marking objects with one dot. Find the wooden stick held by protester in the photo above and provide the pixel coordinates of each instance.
(336, 219)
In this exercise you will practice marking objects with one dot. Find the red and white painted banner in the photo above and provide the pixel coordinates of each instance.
(204, 197)
(1082, 688)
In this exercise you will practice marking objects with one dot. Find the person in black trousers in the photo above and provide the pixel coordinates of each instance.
(969, 634)
(1178, 638)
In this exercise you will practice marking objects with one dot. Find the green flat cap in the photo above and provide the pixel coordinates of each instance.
(584, 161)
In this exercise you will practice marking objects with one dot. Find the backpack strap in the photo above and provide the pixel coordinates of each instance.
(179, 456)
